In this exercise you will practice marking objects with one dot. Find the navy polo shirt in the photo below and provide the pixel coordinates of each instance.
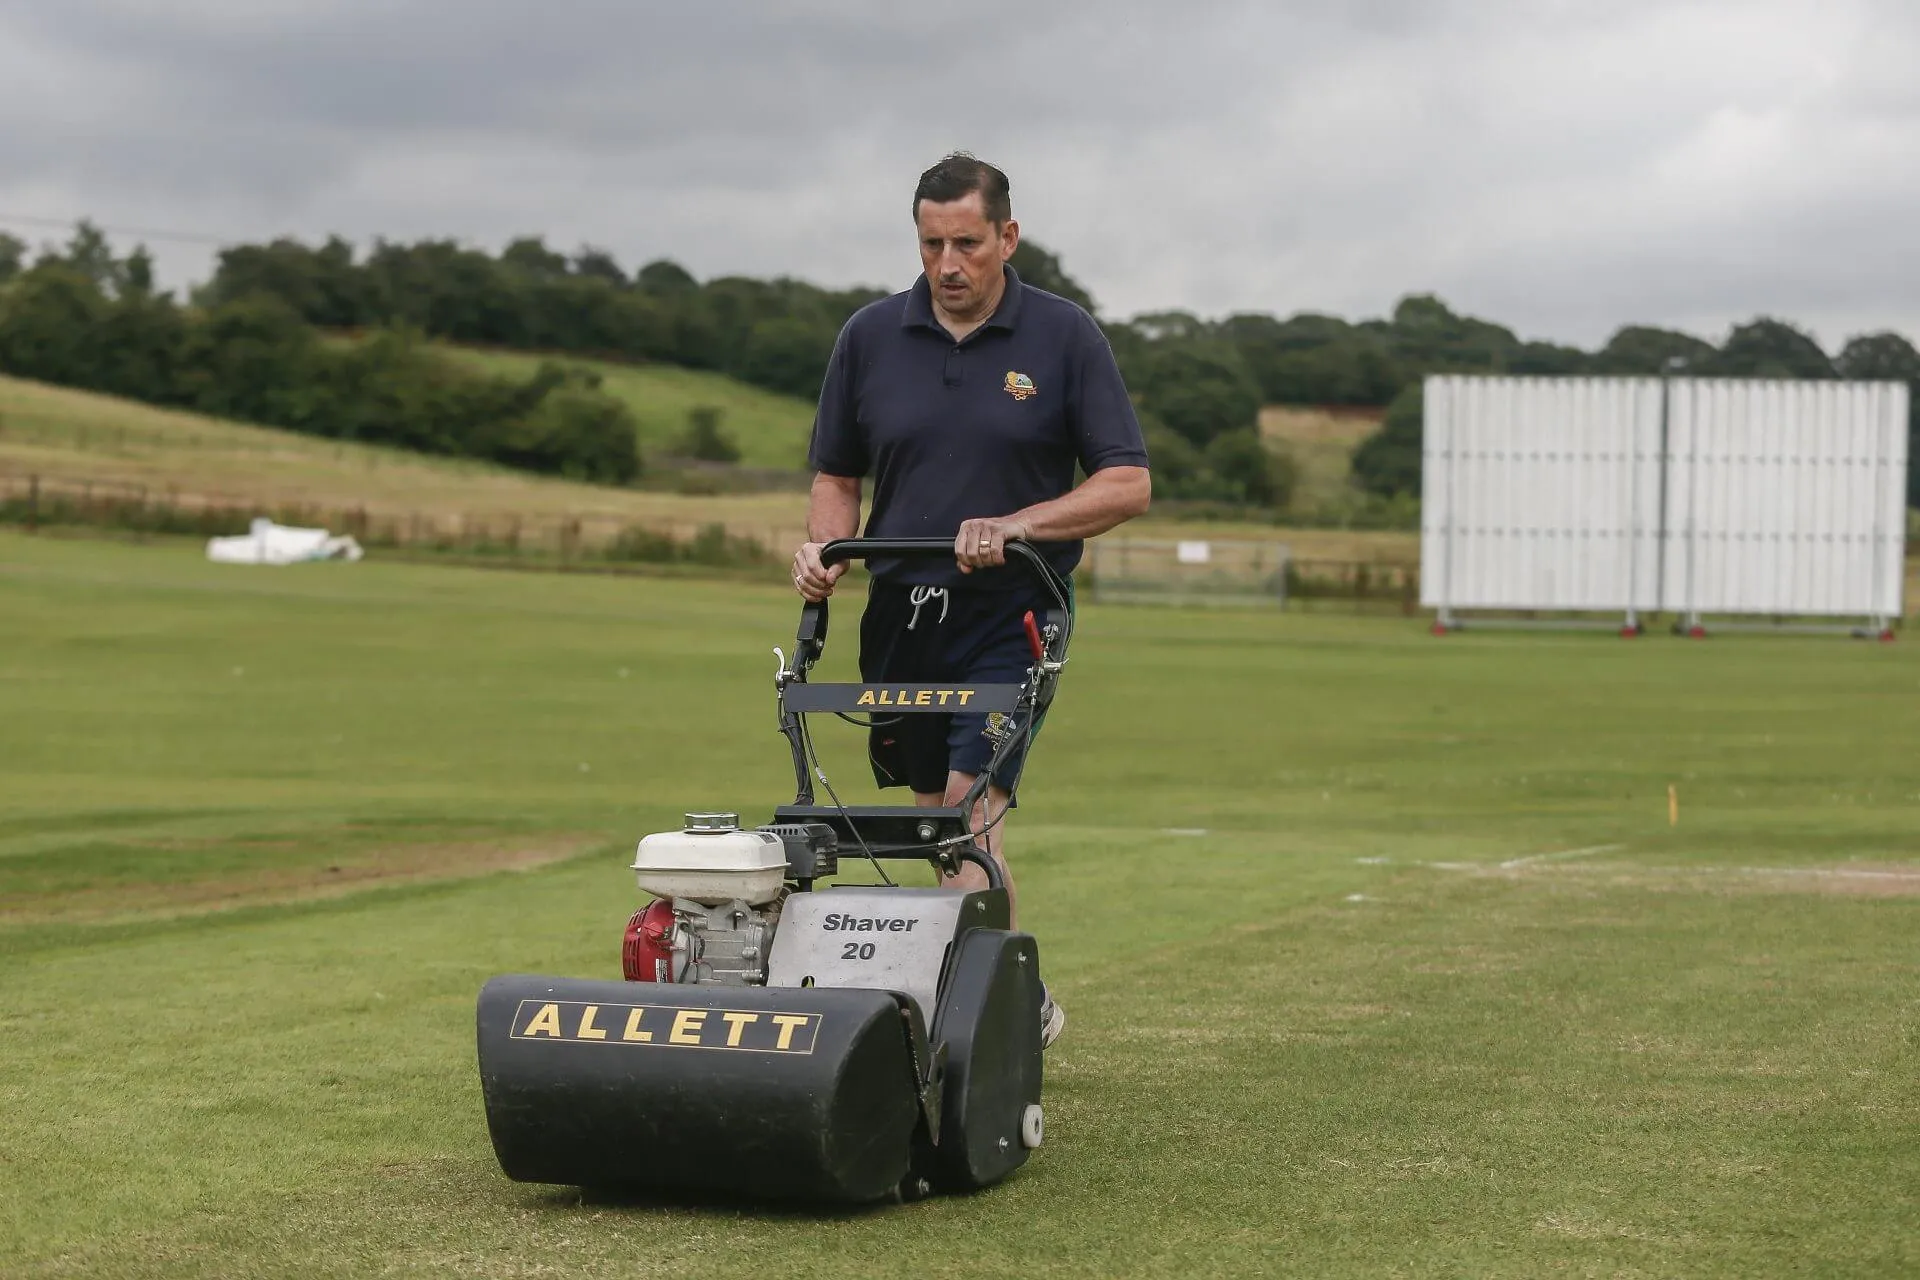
(983, 427)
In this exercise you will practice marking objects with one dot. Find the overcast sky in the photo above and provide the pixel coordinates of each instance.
(1561, 166)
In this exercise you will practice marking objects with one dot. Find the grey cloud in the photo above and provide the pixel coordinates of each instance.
(1561, 167)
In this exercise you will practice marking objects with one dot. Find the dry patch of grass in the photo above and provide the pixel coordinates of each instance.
(1853, 879)
(1322, 441)
(275, 882)
(1299, 425)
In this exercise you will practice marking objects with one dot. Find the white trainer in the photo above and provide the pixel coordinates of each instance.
(1053, 1019)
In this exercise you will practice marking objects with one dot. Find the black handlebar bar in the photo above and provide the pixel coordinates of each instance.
(812, 637)
(842, 549)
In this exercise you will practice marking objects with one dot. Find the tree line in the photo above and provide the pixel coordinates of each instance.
(1199, 383)
(1389, 461)
(81, 317)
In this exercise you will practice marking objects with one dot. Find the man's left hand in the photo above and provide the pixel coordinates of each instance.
(982, 541)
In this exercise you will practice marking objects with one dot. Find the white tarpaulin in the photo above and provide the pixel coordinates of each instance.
(270, 543)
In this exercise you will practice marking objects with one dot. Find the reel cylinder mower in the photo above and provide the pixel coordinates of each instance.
(781, 1039)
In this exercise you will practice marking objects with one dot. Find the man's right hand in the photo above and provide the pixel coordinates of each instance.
(812, 579)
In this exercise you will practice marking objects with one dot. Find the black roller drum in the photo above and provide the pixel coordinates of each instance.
(804, 1094)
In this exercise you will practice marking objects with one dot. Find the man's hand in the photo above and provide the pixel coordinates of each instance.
(982, 542)
(811, 578)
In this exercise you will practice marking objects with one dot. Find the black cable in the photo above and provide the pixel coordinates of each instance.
(813, 756)
(144, 233)
(869, 723)
(1026, 732)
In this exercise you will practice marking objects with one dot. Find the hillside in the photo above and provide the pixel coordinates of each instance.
(76, 437)
(1322, 441)
(71, 437)
(771, 430)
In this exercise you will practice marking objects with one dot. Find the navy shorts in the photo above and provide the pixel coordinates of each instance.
(920, 635)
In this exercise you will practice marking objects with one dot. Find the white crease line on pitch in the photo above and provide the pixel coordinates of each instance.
(1560, 855)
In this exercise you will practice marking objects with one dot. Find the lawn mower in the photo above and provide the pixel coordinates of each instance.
(777, 1037)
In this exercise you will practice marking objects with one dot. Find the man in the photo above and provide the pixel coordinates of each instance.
(969, 399)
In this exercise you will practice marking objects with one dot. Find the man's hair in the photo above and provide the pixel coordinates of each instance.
(958, 176)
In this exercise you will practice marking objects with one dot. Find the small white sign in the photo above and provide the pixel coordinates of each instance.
(1194, 553)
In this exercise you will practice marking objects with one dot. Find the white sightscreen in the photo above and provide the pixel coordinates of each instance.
(1712, 496)
(1540, 493)
(1786, 497)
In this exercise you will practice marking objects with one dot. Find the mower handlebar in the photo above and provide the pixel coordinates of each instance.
(812, 637)
(843, 549)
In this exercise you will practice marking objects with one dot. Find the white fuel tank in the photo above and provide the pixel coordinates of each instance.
(712, 862)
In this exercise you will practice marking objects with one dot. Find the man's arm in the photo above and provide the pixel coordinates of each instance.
(838, 455)
(1107, 498)
(833, 511)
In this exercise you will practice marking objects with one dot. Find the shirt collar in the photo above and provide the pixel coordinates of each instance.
(919, 310)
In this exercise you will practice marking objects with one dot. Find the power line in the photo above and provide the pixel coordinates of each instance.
(144, 233)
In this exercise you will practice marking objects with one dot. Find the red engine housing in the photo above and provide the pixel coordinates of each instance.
(647, 953)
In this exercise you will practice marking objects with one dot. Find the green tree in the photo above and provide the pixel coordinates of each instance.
(1177, 465)
(50, 322)
(1650, 352)
(253, 359)
(136, 272)
(1250, 470)
(1353, 371)
(1768, 348)
(787, 354)
(666, 277)
(1200, 388)
(1878, 357)
(13, 256)
(1172, 326)
(1426, 336)
(577, 432)
(1547, 360)
(1888, 357)
(1132, 351)
(1388, 461)
(598, 264)
(88, 253)
(1040, 268)
(530, 256)
(324, 286)
(1313, 359)
(142, 341)
(706, 439)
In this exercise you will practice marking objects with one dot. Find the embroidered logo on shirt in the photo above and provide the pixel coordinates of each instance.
(1020, 386)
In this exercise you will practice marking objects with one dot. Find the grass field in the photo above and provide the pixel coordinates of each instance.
(1438, 992)
(771, 429)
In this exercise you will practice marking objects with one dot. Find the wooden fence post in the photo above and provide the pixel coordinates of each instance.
(33, 503)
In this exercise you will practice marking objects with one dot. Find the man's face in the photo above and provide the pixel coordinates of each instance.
(961, 253)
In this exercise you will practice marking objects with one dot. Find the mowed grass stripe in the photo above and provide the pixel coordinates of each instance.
(1295, 1044)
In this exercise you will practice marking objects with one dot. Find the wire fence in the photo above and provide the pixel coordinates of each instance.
(534, 541)
(1117, 568)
